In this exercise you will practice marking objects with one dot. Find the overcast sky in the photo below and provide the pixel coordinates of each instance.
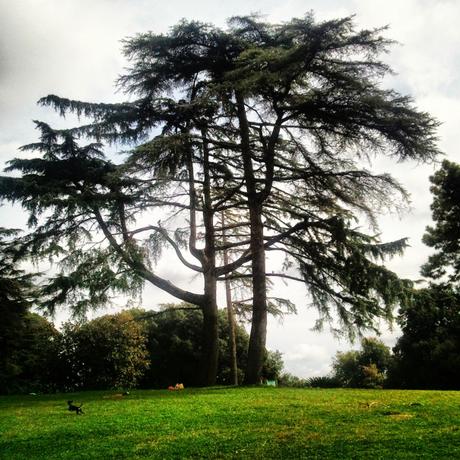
(72, 48)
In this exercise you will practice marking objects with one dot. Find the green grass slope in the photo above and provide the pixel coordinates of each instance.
(246, 423)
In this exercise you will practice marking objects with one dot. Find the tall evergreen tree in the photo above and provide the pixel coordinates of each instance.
(444, 236)
(283, 116)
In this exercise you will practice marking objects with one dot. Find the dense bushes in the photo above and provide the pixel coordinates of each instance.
(289, 380)
(427, 355)
(325, 381)
(175, 349)
(26, 340)
(108, 352)
(29, 363)
(158, 349)
(124, 350)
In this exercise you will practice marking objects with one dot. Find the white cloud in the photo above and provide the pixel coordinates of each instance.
(308, 360)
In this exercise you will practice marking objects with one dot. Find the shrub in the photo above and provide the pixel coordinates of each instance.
(289, 380)
(327, 381)
(372, 377)
(32, 364)
(107, 352)
(365, 368)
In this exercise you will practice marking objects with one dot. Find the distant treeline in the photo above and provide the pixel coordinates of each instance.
(136, 348)
(426, 356)
(133, 348)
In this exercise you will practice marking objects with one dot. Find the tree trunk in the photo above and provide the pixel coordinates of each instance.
(257, 339)
(210, 351)
(210, 316)
(230, 313)
(258, 336)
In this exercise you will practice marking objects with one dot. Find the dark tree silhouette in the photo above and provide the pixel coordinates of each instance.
(427, 354)
(444, 237)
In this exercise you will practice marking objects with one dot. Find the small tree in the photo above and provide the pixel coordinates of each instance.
(347, 369)
(273, 365)
(374, 351)
(365, 368)
(107, 352)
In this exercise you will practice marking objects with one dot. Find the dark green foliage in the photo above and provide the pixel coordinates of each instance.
(174, 343)
(374, 351)
(108, 352)
(347, 369)
(39, 354)
(427, 355)
(365, 368)
(65, 191)
(273, 365)
(174, 346)
(23, 336)
(444, 237)
(288, 380)
(125, 350)
(29, 362)
(327, 381)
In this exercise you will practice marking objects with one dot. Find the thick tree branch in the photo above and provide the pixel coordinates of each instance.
(142, 270)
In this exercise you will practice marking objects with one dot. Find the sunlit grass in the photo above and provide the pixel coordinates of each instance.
(252, 423)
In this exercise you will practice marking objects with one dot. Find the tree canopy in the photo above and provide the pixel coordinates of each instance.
(427, 354)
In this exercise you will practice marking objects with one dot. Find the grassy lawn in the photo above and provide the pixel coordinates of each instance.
(247, 423)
